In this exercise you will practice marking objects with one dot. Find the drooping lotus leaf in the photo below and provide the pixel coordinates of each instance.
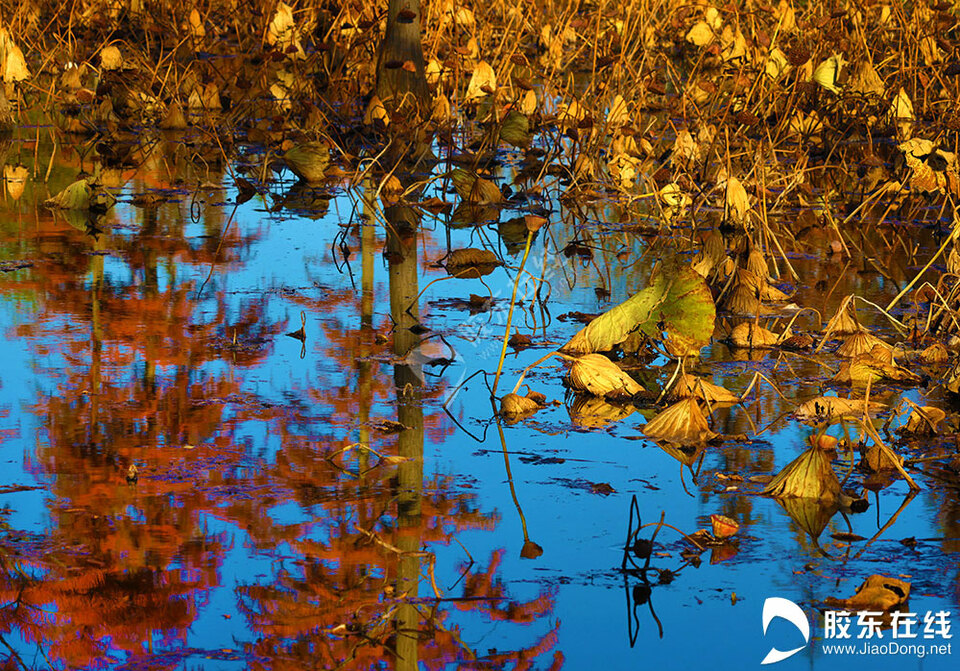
(515, 129)
(752, 336)
(596, 374)
(475, 189)
(595, 412)
(683, 423)
(76, 196)
(809, 476)
(677, 307)
(691, 385)
(877, 593)
(923, 421)
(308, 160)
(830, 408)
(877, 365)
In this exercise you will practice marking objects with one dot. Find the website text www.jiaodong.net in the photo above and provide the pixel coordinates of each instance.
(919, 650)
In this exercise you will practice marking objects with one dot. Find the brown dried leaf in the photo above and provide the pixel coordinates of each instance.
(598, 375)
(471, 263)
(596, 413)
(809, 476)
(749, 335)
(514, 406)
(683, 423)
(829, 408)
(877, 593)
(723, 526)
(690, 385)
(924, 421)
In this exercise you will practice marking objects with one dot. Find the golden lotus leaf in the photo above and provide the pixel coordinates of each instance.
(877, 365)
(596, 374)
(174, 118)
(737, 201)
(475, 189)
(746, 292)
(866, 81)
(935, 353)
(828, 71)
(677, 306)
(77, 196)
(471, 263)
(809, 476)
(859, 343)
(308, 160)
(376, 111)
(683, 423)
(844, 322)
(877, 593)
(830, 408)
(482, 80)
(688, 385)
(723, 526)
(923, 421)
(514, 406)
(595, 412)
(757, 264)
(751, 336)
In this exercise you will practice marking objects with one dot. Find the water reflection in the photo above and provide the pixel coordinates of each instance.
(288, 508)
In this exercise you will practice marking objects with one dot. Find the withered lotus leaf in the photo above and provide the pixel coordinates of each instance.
(691, 385)
(16, 177)
(174, 118)
(875, 366)
(76, 196)
(677, 306)
(737, 201)
(515, 129)
(308, 160)
(808, 476)
(797, 343)
(471, 263)
(376, 111)
(475, 189)
(744, 295)
(876, 459)
(844, 322)
(877, 593)
(482, 80)
(595, 412)
(924, 421)
(749, 335)
(757, 264)
(860, 342)
(514, 405)
(935, 353)
(723, 526)
(683, 423)
(596, 374)
(829, 408)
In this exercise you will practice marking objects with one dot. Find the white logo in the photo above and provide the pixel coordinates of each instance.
(775, 607)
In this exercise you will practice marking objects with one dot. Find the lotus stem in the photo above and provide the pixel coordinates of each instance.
(513, 300)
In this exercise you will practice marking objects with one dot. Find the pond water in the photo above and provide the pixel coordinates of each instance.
(350, 500)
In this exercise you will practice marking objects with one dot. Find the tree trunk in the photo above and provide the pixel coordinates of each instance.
(397, 86)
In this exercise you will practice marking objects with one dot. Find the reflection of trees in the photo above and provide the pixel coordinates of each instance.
(127, 384)
(361, 588)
